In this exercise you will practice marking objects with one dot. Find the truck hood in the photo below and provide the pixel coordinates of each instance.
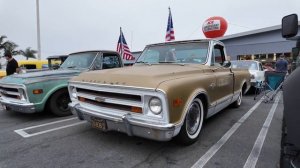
(147, 76)
(37, 76)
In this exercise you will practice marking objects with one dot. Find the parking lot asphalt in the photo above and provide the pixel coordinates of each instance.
(248, 136)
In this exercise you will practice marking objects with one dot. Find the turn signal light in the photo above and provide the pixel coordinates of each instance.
(37, 91)
(136, 109)
(177, 102)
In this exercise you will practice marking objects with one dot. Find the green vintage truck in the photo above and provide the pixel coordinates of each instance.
(37, 91)
(168, 93)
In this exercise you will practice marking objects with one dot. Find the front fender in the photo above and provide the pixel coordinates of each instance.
(181, 92)
(195, 94)
(48, 87)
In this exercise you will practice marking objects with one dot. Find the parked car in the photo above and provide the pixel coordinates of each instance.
(33, 64)
(28, 66)
(37, 91)
(255, 68)
(52, 62)
(168, 92)
(2, 73)
(55, 61)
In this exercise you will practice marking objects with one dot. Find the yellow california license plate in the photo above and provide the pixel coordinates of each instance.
(99, 123)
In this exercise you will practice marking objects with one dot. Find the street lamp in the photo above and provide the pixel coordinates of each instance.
(38, 29)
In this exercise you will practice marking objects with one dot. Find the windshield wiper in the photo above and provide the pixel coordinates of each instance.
(142, 62)
(167, 62)
(172, 62)
(71, 67)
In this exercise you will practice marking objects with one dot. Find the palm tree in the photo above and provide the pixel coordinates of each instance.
(2, 42)
(10, 47)
(28, 53)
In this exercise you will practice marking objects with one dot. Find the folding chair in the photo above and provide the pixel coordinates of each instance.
(270, 87)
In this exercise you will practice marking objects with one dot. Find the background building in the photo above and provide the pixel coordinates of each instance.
(263, 44)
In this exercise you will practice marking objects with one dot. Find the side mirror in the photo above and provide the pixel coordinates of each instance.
(289, 26)
(227, 64)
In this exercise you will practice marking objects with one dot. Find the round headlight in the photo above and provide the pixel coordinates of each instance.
(74, 93)
(155, 105)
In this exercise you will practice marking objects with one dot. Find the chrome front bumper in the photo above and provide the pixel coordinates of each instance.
(17, 106)
(127, 124)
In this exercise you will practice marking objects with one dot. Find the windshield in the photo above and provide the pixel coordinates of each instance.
(175, 53)
(244, 65)
(79, 61)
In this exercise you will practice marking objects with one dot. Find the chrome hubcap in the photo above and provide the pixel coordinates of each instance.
(193, 118)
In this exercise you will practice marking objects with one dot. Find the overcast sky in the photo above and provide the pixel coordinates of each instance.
(75, 25)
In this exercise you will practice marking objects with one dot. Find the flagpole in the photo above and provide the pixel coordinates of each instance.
(131, 39)
(121, 34)
(38, 29)
(170, 30)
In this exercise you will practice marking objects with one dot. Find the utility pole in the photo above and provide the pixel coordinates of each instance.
(38, 29)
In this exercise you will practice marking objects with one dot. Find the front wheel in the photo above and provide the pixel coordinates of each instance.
(192, 125)
(58, 103)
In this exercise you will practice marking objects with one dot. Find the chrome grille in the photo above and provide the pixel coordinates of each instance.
(11, 91)
(111, 95)
(106, 98)
(119, 100)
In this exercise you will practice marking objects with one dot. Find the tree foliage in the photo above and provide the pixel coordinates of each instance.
(28, 53)
(9, 47)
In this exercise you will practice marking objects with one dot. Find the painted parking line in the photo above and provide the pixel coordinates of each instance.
(25, 134)
(215, 148)
(253, 157)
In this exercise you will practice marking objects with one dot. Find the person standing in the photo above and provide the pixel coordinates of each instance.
(281, 65)
(12, 64)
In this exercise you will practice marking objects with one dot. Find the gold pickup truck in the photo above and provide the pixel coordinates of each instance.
(168, 93)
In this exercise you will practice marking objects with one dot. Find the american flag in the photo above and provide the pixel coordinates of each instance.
(170, 31)
(123, 49)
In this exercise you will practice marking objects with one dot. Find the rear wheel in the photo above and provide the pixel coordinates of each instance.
(238, 102)
(192, 125)
(58, 103)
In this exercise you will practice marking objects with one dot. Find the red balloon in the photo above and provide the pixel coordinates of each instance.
(214, 27)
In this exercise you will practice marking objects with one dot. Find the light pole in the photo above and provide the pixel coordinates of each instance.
(38, 29)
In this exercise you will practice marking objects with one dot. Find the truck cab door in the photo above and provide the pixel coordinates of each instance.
(224, 77)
